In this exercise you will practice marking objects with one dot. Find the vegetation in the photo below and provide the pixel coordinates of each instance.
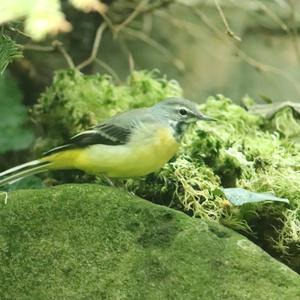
(13, 115)
(236, 151)
(215, 50)
(85, 241)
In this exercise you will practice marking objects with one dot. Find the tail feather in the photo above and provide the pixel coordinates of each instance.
(56, 160)
(14, 174)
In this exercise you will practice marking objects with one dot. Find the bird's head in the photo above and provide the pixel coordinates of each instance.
(179, 113)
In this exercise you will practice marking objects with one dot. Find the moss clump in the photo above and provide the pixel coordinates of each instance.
(239, 150)
(235, 151)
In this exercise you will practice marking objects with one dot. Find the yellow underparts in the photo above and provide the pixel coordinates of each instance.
(146, 152)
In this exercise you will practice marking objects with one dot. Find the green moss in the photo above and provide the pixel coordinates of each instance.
(13, 114)
(235, 151)
(93, 242)
(240, 149)
(285, 122)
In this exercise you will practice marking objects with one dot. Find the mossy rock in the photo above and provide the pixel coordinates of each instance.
(95, 242)
(236, 151)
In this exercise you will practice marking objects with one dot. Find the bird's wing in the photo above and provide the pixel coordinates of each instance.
(105, 134)
(115, 131)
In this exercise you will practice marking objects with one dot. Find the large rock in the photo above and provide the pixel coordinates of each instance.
(94, 242)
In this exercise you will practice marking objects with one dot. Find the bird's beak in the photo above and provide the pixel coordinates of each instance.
(203, 117)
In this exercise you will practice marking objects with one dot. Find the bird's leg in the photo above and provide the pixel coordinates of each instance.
(109, 181)
(5, 196)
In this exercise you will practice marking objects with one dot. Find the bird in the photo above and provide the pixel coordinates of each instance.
(131, 144)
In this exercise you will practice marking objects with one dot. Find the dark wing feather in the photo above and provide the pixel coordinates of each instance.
(105, 134)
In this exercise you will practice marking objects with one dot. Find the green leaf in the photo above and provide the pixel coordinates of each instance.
(9, 51)
(239, 196)
(13, 115)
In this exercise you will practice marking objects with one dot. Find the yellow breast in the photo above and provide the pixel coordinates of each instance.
(146, 152)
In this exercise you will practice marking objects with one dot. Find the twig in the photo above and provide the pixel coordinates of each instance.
(15, 29)
(294, 32)
(125, 49)
(96, 45)
(131, 62)
(56, 46)
(108, 22)
(248, 59)
(147, 24)
(189, 27)
(141, 8)
(59, 46)
(157, 5)
(38, 48)
(228, 29)
(5, 196)
(109, 69)
(273, 16)
(164, 51)
(131, 17)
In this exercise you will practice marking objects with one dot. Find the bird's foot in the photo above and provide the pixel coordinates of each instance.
(109, 181)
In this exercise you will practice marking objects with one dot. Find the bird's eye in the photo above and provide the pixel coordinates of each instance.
(182, 111)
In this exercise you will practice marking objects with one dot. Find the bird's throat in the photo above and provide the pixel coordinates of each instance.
(178, 128)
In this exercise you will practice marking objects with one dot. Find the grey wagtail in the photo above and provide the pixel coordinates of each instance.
(133, 143)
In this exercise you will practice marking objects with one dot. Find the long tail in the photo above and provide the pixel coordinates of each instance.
(56, 159)
(33, 167)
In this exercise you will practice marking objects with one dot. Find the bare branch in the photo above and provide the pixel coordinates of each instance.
(293, 31)
(245, 57)
(131, 62)
(127, 52)
(96, 45)
(273, 16)
(56, 46)
(164, 51)
(190, 28)
(41, 48)
(108, 22)
(60, 47)
(228, 29)
(15, 29)
(108, 68)
(157, 5)
(139, 8)
(147, 23)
